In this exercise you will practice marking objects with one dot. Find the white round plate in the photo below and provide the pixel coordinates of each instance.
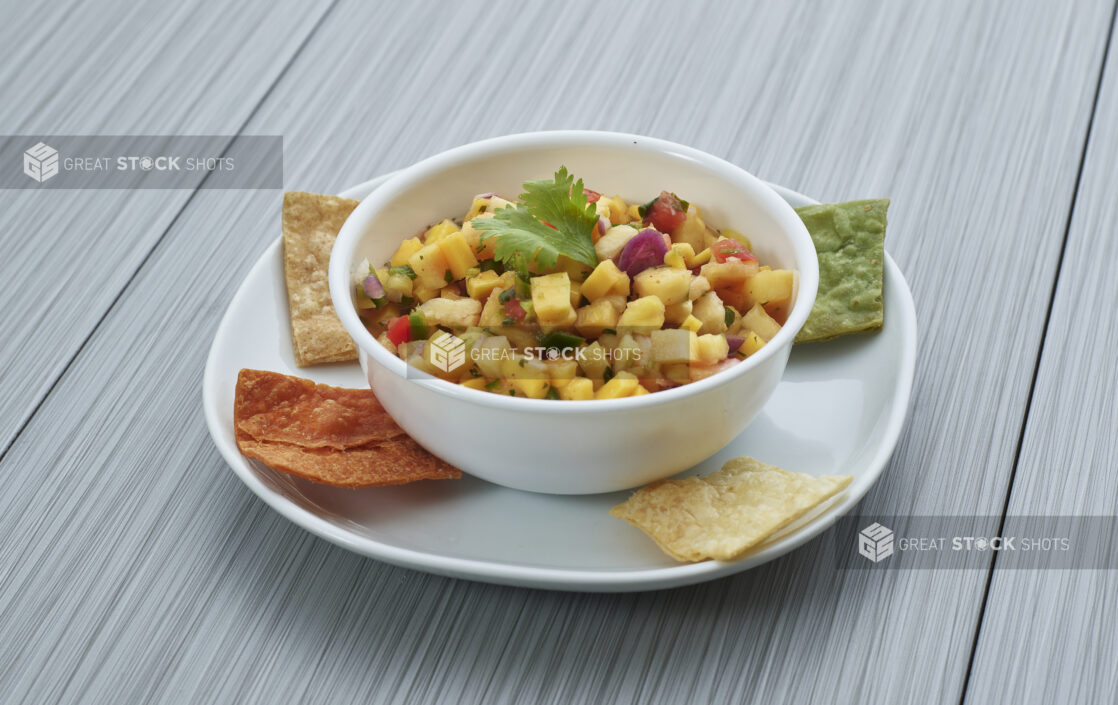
(838, 410)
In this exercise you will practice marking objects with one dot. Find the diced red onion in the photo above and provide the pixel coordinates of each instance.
(603, 225)
(735, 341)
(373, 288)
(491, 194)
(646, 249)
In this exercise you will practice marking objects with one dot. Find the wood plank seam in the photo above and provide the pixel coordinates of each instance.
(170, 225)
(1043, 341)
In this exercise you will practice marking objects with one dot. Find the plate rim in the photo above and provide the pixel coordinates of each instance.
(558, 578)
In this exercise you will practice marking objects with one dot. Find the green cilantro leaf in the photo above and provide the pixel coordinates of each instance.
(552, 218)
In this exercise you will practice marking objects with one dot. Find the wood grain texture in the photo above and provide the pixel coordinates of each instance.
(1048, 636)
(140, 569)
(194, 67)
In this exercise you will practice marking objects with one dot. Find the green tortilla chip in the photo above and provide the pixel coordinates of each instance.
(850, 241)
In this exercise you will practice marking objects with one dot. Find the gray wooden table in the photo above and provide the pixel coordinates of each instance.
(136, 568)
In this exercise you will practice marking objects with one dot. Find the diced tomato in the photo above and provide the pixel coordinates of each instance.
(730, 249)
(591, 196)
(399, 330)
(549, 225)
(666, 213)
(513, 309)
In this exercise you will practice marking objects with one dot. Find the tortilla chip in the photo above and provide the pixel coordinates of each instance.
(310, 225)
(394, 462)
(340, 437)
(726, 513)
(274, 407)
(850, 241)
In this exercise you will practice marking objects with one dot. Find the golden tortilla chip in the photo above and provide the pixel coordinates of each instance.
(274, 407)
(726, 513)
(311, 223)
(340, 437)
(394, 462)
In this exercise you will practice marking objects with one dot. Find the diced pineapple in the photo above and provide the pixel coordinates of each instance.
(610, 245)
(645, 314)
(528, 376)
(439, 231)
(605, 280)
(490, 354)
(482, 285)
(423, 293)
(627, 352)
(576, 294)
(623, 384)
(677, 372)
(674, 345)
(711, 312)
(676, 314)
(576, 270)
(760, 322)
(639, 391)
(667, 284)
(474, 383)
(692, 324)
(561, 372)
(699, 286)
(493, 312)
(397, 286)
(723, 275)
(617, 301)
(634, 212)
(596, 317)
(450, 292)
(460, 313)
(457, 253)
(773, 290)
(579, 389)
(693, 231)
(752, 344)
(406, 249)
(430, 266)
(594, 361)
(551, 298)
(711, 348)
(485, 250)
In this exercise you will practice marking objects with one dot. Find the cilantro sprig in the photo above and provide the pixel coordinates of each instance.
(551, 218)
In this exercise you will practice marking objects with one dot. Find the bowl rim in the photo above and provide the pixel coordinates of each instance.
(755, 188)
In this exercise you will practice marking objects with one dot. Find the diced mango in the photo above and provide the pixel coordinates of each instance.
(760, 322)
(623, 384)
(406, 249)
(474, 383)
(752, 344)
(439, 231)
(727, 274)
(618, 211)
(423, 293)
(773, 290)
(605, 280)
(457, 253)
(430, 267)
(578, 389)
(645, 314)
(674, 345)
(667, 284)
(692, 231)
(479, 287)
(551, 298)
(699, 286)
(596, 317)
(678, 256)
(493, 312)
(485, 250)
(711, 348)
(692, 324)
(699, 259)
(460, 313)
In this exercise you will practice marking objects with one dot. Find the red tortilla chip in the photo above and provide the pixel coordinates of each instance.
(274, 407)
(340, 437)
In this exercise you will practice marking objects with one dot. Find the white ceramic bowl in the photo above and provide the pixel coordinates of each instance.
(573, 447)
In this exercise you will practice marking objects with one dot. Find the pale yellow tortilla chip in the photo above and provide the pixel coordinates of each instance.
(728, 512)
(311, 223)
